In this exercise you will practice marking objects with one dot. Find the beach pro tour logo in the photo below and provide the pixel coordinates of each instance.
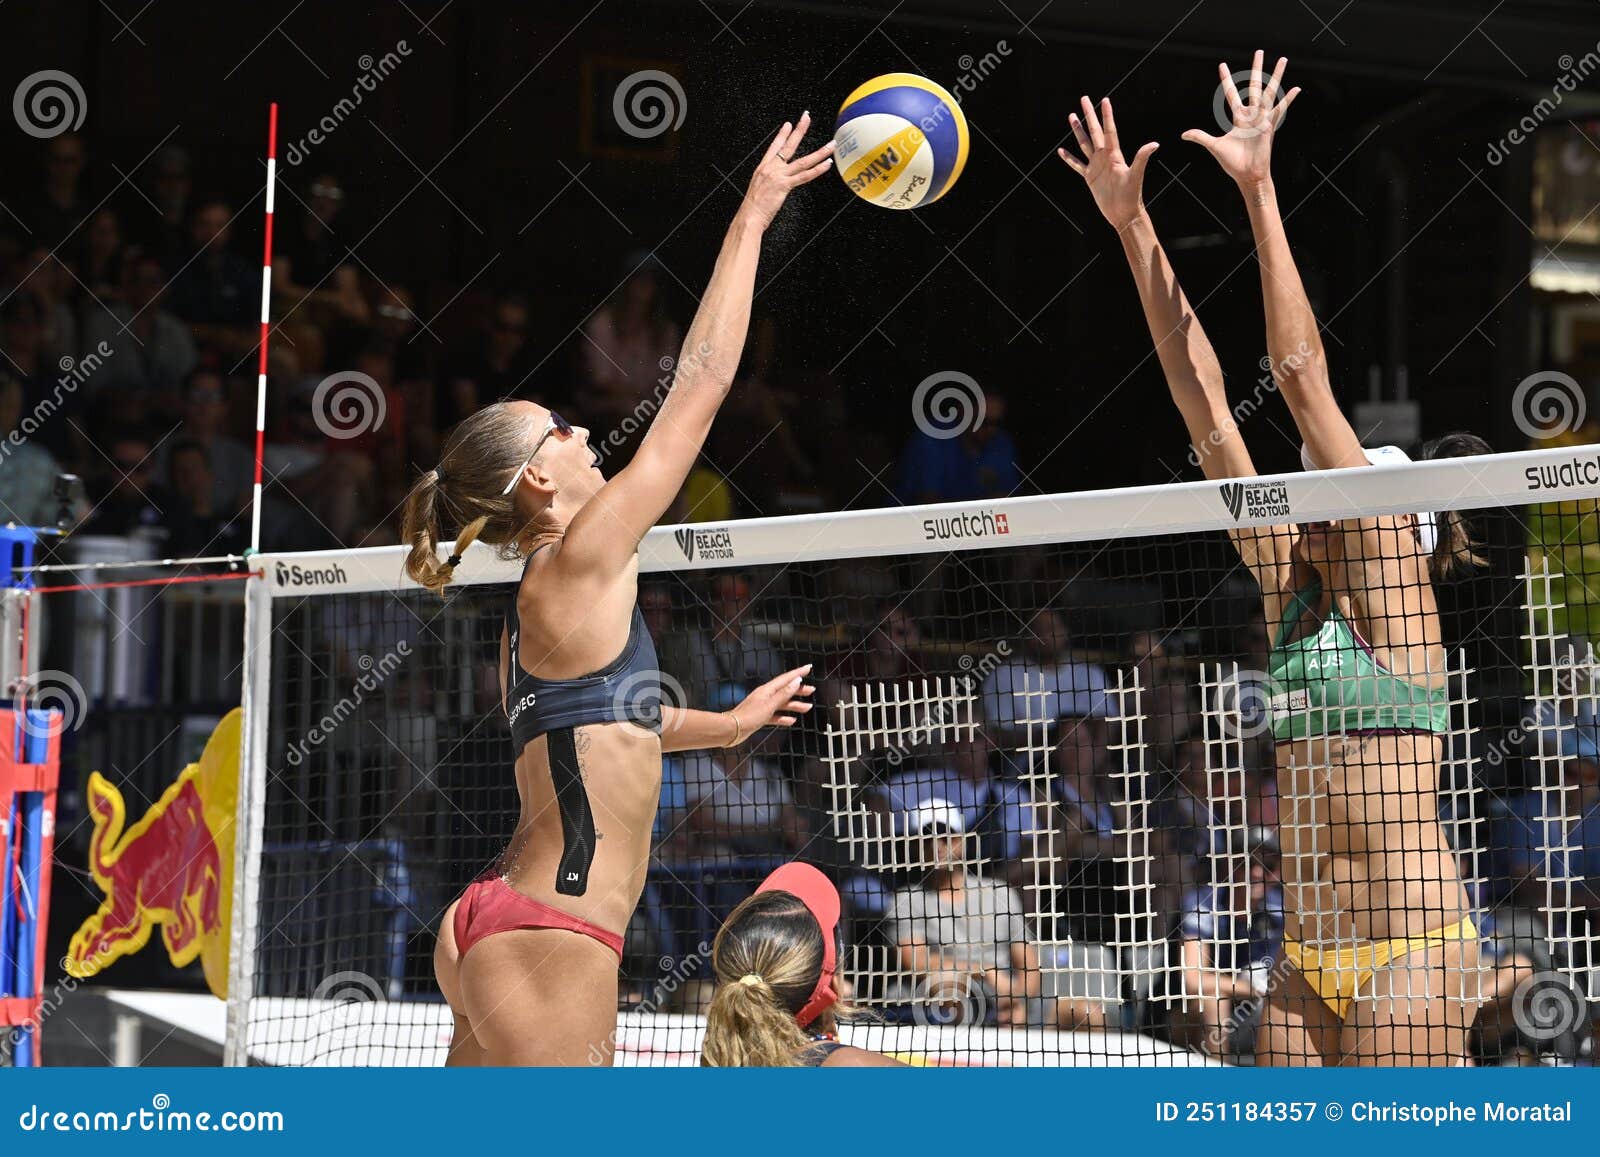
(983, 524)
(1560, 475)
(705, 544)
(1255, 499)
(292, 574)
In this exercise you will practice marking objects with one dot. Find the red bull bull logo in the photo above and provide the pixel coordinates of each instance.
(172, 870)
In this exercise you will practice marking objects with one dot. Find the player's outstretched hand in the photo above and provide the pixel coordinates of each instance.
(778, 702)
(1116, 184)
(1245, 152)
(781, 170)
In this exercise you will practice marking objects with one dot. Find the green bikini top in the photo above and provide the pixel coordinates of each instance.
(1330, 683)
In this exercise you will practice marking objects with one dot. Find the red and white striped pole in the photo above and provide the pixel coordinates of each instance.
(266, 302)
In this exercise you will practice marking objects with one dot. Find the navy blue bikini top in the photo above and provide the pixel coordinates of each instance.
(815, 1055)
(629, 687)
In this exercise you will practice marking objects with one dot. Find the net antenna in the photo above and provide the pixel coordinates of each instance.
(266, 328)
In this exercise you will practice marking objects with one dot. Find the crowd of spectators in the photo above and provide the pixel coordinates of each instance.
(129, 331)
(985, 862)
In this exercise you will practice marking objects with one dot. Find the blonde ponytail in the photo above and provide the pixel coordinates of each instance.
(767, 958)
(465, 490)
(746, 1028)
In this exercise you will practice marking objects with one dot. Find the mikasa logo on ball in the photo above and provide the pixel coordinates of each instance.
(901, 141)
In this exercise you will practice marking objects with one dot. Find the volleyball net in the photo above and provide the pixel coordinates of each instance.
(1043, 772)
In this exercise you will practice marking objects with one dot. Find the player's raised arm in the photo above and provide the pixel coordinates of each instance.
(1294, 342)
(607, 531)
(1194, 376)
(1187, 359)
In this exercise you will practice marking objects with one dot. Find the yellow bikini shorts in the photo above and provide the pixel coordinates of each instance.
(1338, 974)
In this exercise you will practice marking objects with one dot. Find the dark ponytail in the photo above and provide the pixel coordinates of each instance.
(1456, 551)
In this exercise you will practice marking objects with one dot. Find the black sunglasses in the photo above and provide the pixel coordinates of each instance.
(556, 425)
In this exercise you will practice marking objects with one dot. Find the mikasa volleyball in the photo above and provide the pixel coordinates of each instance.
(902, 141)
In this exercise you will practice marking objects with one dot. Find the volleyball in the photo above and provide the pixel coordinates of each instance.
(902, 141)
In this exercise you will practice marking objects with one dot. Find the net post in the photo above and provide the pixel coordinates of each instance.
(251, 817)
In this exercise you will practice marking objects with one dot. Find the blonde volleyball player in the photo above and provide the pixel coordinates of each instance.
(527, 957)
(1382, 951)
(776, 958)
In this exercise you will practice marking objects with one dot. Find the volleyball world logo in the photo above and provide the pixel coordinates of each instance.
(649, 103)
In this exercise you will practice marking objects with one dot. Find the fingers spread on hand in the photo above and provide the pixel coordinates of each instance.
(1142, 158)
(1073, 163)
(777, 142)
(1230, 89)
(789, 138)
(1110, 123)
(1199, 137)
(815, 157)
(1283, 107)
(1090, 119)
(806, 176)
(1255, 77)
(1275, 83)
(1082, 137)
